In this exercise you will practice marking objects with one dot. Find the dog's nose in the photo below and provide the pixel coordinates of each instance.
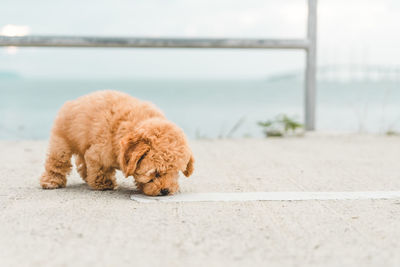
(164, 191)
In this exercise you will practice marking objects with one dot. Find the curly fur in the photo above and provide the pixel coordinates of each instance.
(110, 130)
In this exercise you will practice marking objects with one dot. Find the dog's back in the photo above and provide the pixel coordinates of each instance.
(95, 117)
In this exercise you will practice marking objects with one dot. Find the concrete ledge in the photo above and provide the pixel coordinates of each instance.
(77, 226)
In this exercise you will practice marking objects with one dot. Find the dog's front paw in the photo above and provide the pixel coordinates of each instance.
(103, 184)
(108, 185)
(48, 181)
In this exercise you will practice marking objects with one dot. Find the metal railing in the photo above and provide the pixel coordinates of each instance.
(308, 44)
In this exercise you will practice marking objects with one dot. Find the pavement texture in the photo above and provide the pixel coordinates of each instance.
(76, 226)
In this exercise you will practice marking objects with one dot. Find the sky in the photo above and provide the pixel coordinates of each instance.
(349, 32)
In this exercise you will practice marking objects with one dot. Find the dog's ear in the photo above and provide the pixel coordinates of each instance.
(189, 167)
(131, 153)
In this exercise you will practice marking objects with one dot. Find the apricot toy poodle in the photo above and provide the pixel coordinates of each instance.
(108, 131)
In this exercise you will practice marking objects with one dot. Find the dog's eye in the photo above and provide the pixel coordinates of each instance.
(150, 181)
(157, 175)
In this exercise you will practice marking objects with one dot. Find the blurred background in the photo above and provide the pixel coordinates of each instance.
(210, 93)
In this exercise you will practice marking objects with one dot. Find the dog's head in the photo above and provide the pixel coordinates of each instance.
(153, 154)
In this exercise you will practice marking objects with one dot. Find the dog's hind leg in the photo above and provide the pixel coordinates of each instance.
(58, 164)
(81, 166)
(99, 177)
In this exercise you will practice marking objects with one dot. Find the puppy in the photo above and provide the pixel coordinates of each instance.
(108, 131)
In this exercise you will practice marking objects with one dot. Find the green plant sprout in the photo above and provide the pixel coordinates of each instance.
(281, 126)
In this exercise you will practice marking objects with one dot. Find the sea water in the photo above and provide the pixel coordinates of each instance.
(208, 108)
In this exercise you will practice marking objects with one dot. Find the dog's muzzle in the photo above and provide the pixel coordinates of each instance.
(164, 191)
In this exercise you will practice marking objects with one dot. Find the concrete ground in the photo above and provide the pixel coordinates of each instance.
(76, 226)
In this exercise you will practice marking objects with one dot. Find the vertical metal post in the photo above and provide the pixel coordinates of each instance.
(311, 67)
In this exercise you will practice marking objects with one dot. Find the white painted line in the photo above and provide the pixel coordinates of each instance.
(267, 196)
